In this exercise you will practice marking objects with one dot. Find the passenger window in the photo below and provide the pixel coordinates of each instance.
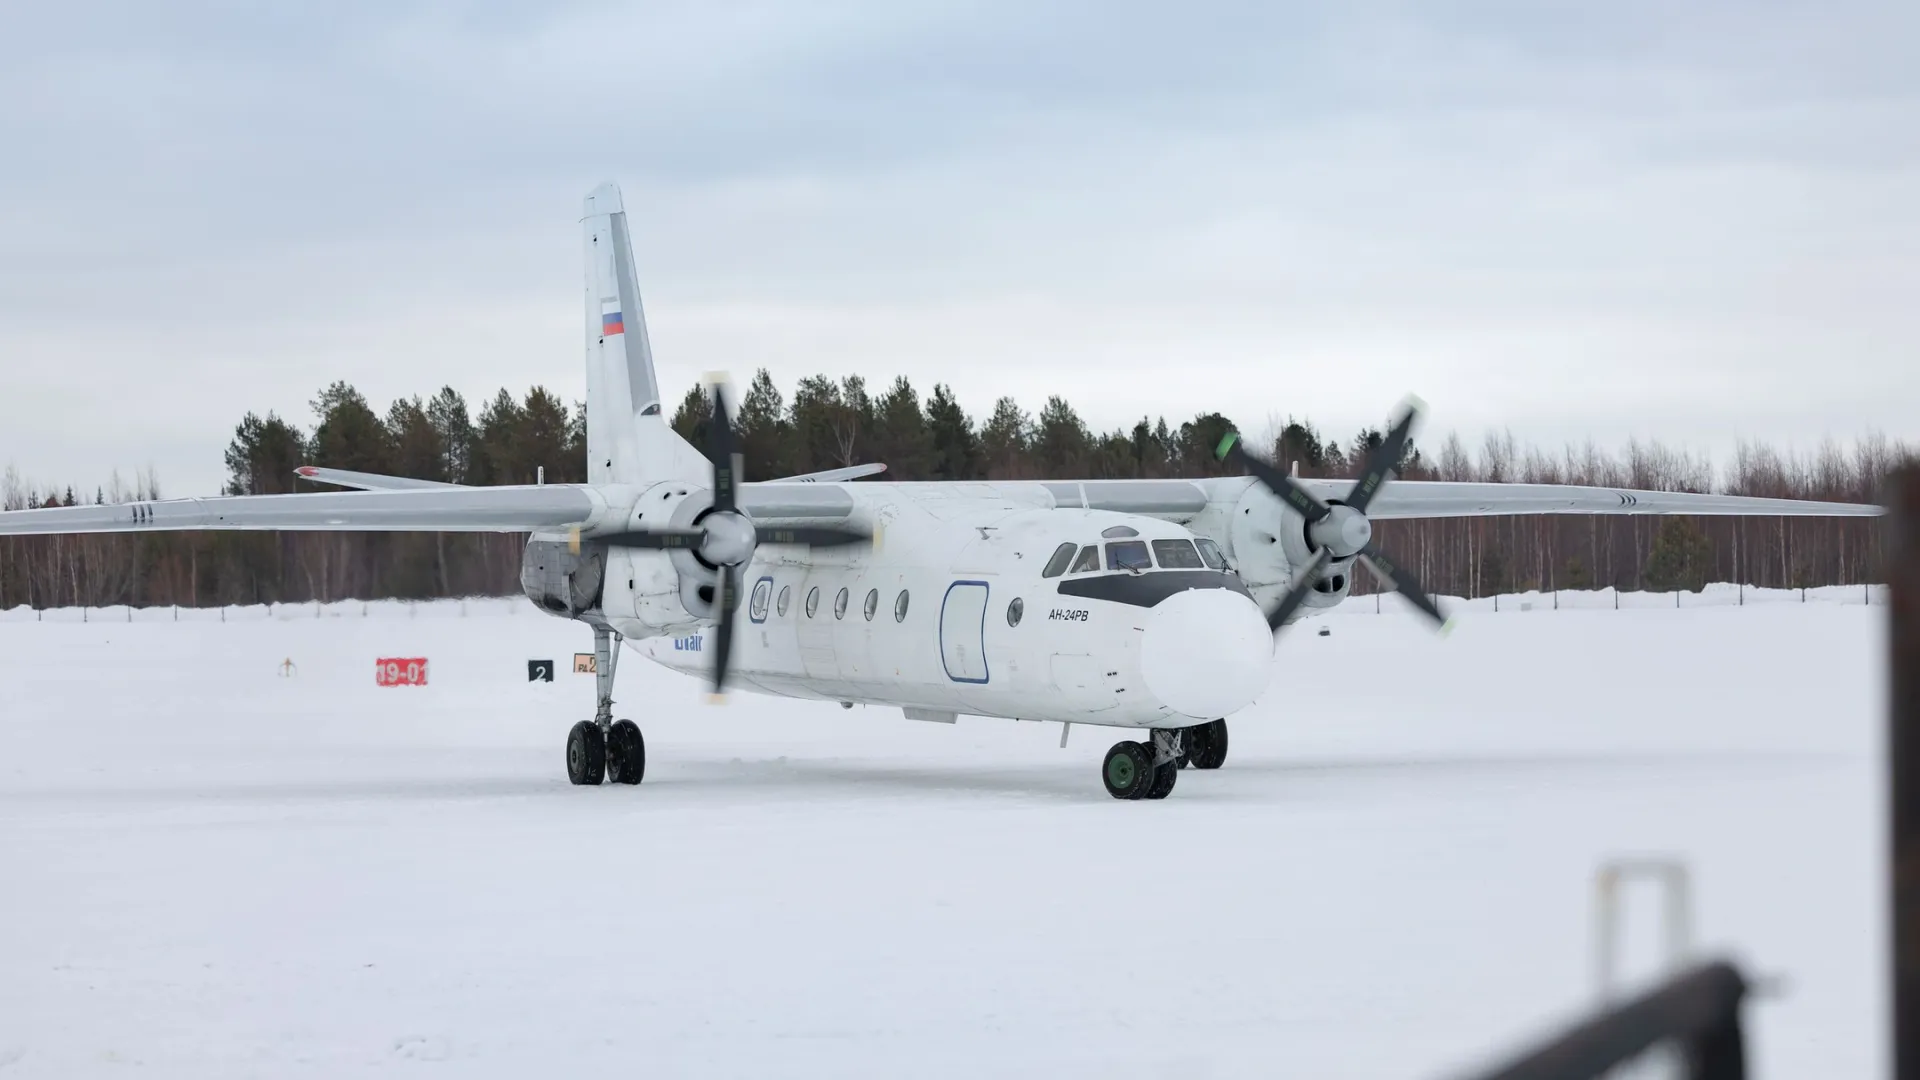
(1089, 559)
(900, 607)
(762, 592)
(1129, 555)
(813, 601)
(1176, 555)
(872, 605)
(1210, 553)
(1057, 565)
(840, 604)
(786, 598)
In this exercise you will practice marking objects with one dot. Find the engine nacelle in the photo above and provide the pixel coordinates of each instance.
(688, 598)
(562, 581)
(1270, 542)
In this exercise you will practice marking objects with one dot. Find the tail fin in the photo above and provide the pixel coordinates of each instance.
(628, 439)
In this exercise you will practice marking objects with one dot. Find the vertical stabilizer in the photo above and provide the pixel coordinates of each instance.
(628, 439)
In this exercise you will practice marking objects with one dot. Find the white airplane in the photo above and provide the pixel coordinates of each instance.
(1148, 605)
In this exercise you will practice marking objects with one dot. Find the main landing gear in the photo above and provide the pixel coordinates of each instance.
(1147, 770)
(1144, 770)
(1206, 745)
(604, 748)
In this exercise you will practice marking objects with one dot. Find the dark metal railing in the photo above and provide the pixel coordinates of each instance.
(1903, 752)
(1697, 1012)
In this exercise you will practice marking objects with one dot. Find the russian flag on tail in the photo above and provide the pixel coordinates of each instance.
(610, 324)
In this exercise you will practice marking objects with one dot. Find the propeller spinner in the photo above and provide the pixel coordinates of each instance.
(1341, 529)
(724, 537)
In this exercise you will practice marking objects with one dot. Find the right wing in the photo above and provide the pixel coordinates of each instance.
(1442, 498)
(448, 509)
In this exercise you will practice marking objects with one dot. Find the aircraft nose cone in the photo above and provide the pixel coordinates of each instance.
(1205, 652)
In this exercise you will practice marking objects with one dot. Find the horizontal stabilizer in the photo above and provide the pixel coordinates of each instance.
(366, 481)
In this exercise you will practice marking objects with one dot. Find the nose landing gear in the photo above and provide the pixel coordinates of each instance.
(1143, 770)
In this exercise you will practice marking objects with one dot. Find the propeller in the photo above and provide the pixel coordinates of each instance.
(724, 537)
(1341, 529)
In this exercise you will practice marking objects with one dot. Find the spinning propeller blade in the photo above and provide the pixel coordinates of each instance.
(724, 538)
(1385, 458)
(1345, 525)
(723, 599)
(815, 536)
(1275, 481)
(656, 539)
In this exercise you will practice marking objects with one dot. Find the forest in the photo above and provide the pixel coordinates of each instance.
(828, 423)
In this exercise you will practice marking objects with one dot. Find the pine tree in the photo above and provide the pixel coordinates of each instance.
(417, 450)
(1682, 557)
(956, 447)
(900, 436)
(764, 434)
(1005, 440)
(453, 425)
(693, 416)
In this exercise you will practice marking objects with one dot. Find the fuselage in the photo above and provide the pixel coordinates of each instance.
(973, 604)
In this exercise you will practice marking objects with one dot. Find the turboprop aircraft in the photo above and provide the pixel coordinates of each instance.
(1145, 605)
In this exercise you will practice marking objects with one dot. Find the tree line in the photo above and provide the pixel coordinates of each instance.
(830, 423)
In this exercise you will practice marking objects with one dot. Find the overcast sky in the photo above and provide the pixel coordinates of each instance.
(1694, 221)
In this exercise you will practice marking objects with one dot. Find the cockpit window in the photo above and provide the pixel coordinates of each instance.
(1128, 555)
(1057, 565)
(1089, 559)
(1210, 552)
(1176, 555)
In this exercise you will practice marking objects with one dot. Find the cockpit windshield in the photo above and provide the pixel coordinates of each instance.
(1210, 553)
(1176, 555)
(1135, 556)
(1128, 555)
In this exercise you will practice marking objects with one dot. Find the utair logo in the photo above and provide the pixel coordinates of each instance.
(687, 644)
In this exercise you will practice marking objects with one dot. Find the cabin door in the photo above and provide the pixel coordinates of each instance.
(963, 624)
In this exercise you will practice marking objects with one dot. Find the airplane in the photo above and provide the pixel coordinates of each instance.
(1152, 606)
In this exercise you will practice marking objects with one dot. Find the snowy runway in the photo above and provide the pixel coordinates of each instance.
(208, 869)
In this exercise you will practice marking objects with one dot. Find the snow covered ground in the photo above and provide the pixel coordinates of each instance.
(210, 869)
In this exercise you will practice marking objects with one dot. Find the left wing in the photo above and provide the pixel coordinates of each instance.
(451, 509)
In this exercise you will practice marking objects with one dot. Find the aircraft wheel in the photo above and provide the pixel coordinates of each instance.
(586, 753)
(1207, 744)
(1163, 777)
(626, 753)
(1128, 770)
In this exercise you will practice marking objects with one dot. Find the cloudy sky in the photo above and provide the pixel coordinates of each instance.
(1694, 221)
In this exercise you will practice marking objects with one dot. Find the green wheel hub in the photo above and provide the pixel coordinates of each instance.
(1120, 771)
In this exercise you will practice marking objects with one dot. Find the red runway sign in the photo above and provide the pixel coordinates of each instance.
(400, 671)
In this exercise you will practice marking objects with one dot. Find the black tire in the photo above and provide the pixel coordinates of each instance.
(626, 753)
(1193, 745)
(586, 753)
(1163, 777)
(1128, 770)
(1214, 742)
